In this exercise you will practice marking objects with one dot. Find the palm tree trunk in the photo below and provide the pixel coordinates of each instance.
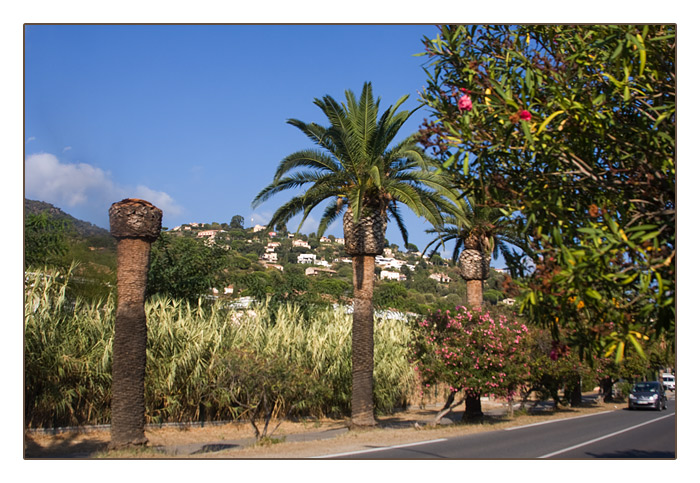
(135, 224)
(475, 293)
(363, 341)
(129, 349)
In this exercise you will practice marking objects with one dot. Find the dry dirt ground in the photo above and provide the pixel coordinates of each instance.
(291, 440)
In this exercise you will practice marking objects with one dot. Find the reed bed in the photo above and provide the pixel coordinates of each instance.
(193, 348)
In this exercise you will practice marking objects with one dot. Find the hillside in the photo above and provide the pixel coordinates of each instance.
(83, 229)
(251, 261)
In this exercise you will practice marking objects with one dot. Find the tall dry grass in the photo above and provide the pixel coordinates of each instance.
(68, 357)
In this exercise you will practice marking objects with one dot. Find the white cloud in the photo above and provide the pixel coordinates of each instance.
(67, 148)
(47, 179)
(29, 139)
(159, 198)
(79, 184)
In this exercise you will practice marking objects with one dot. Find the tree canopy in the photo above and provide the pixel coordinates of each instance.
(571, 130)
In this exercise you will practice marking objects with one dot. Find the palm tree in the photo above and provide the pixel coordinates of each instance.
(356, 172)
(135, 224)
(480, 232)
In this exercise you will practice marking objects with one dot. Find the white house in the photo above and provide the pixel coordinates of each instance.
(270, 257)
(306, 258)
(258, 228)
(313, 271)
(440, 277)
(389, 275)
(208, 233)
(300, 243)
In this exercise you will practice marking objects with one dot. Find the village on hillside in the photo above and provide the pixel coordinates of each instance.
(324, 258)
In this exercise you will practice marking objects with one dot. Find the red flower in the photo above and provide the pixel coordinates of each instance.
(525, 115)
(465, 102)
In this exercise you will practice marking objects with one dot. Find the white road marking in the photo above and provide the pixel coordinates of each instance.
(372, 450)
(556, 421)
(606, 436)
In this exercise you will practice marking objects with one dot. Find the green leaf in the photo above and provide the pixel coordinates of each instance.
(548, 120)
(376, 177)
(592, 293)
(620, 354)
(636, 345)
(526, 130)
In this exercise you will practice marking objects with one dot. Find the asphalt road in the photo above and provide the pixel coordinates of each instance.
(615, 434)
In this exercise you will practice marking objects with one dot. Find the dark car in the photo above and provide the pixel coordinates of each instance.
(649, 394)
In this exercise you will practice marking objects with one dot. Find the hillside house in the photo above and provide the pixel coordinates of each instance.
(313, 271)
(270, 257)
(307, 258)
(389, 262)
(440, 277)
(208, 233)
(267, 264)
(300, 243)
(389, 275)
(258, 228)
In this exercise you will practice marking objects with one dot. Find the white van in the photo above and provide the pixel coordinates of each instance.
(669, 381)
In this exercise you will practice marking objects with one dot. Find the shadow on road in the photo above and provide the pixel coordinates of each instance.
(635, 454)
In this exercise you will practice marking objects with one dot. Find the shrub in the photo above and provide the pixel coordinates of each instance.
(194, 349)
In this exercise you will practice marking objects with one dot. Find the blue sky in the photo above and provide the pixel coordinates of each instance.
(193, 117)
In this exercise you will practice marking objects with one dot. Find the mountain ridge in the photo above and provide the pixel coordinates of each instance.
(83, 228)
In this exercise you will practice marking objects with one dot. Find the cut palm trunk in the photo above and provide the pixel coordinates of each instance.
(474, 268)
(135, 224)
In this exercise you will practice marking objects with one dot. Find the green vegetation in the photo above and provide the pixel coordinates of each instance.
(570, 129)
(556, 149)
(197, 358)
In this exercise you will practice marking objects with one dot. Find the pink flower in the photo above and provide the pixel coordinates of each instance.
(465, 102)
(525, 115)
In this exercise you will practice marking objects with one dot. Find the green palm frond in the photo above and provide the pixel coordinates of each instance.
(330, 214)
(356, 161)
(467, 217)
(309, 158)
(395, 212)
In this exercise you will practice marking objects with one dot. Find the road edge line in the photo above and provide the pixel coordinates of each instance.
(384, 448)
(557, 420)
(605, 437)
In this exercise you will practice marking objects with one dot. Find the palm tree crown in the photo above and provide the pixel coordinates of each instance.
(479, 231)
(476, 226)
(354, 167)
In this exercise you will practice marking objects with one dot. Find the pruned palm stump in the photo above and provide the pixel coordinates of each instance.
(474, 263)
(135, 224)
